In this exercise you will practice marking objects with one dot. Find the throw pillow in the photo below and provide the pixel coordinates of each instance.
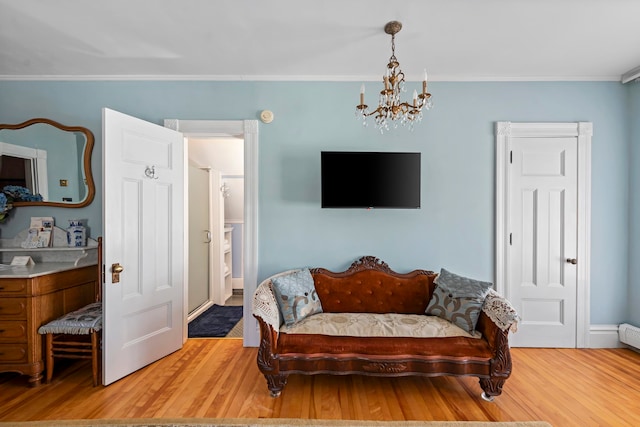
(460, 286)
(458, 299)
(296, 296)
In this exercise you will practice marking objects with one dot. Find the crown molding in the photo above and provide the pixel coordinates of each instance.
(630, 76)
(304, 78)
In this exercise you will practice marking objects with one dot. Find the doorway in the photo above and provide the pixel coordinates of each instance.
(248, 131)
(216, 189)
(542, 229)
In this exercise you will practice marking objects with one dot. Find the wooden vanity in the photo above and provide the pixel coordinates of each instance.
(63, 279)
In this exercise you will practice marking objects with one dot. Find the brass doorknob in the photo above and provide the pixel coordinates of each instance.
(572, 261)
(116, 269)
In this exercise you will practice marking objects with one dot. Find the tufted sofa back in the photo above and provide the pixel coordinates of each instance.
(374, 291)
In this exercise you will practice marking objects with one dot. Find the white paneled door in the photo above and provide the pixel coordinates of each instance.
(143, 190)
(543, 243)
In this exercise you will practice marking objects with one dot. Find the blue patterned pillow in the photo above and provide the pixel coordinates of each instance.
(296, 296)
(458, 299)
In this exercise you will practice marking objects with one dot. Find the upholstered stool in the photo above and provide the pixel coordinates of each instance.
(63, 337)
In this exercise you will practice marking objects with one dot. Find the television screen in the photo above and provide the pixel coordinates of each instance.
(370, 180)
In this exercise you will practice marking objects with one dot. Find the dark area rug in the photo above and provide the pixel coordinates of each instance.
(216, 322)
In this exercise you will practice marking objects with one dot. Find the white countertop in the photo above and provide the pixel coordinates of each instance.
(40, 269)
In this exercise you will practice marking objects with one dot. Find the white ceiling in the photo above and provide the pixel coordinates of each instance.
(454, 40)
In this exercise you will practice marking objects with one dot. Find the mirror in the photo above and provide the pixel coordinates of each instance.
(50, 159)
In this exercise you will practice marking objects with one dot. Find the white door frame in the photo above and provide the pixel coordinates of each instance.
(248, 129)
(583, 131)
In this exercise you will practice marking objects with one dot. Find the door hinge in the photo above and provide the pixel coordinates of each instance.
(511, 238)
(511, 156)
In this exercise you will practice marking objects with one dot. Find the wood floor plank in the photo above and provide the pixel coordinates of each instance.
(219, 378)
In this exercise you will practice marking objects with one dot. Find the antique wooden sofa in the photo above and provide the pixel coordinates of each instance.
(370, 288)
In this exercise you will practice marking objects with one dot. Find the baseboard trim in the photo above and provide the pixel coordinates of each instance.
(604, 336)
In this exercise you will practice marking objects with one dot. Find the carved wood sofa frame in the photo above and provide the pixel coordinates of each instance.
(492, 370)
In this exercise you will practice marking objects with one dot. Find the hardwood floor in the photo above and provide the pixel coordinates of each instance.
(219, 378)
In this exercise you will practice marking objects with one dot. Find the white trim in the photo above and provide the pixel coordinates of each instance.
(305, 78)
(604, 336)
(630, 76)
(583, 296)
(251, 330)
(248, 129)
(583, 131)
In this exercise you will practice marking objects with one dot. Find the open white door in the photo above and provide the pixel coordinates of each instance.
(143, 215)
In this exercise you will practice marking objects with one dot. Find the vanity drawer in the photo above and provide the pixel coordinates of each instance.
(13, 308)
(9, 287)
(13, 353)
(13, 331)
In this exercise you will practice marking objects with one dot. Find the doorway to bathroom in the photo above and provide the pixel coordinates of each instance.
(246, 133)
(216, 227)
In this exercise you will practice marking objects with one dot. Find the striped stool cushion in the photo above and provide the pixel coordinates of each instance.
(84, 321)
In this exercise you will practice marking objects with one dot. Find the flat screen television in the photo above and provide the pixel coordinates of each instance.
(351, 179)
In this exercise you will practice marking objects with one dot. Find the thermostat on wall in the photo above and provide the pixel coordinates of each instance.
(266, 116)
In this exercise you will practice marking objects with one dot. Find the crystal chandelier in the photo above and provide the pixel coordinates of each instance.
(390, 110)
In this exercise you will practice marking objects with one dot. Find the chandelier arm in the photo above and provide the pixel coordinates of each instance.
(371, 113)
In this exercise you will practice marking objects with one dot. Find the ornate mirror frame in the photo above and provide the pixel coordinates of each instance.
(86, 163)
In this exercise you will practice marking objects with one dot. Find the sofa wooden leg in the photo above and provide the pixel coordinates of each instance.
(276, 383)
(491, 387)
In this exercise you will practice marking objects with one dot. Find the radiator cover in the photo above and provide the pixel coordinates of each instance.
(629, 335)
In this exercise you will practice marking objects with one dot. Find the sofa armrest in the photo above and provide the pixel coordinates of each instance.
(265, 307)
(497, 318)
(490, 331)
(500, 311)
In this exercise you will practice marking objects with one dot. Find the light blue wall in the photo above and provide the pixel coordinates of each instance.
(455, 227)
(634, 199)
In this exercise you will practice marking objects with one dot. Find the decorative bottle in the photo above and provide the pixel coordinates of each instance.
(76, 234)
